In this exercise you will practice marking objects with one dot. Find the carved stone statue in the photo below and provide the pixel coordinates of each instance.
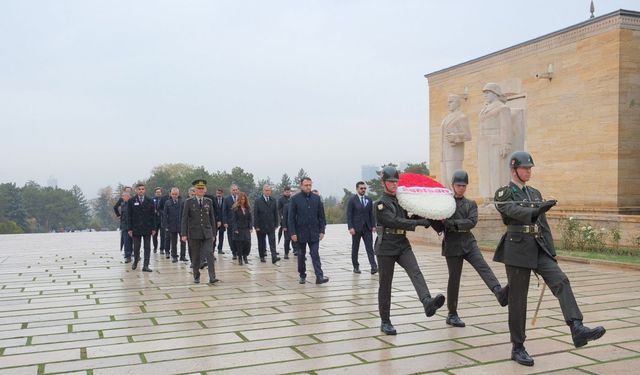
(455, 132)
(495, 141)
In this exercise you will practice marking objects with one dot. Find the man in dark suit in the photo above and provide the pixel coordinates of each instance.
(282, 202)
(361, 224)
(172, 221)
(142, 225)
(218, 204)
(306, 226)
(118, 209)
(528, 245)
(157, 196)
(199, 228)
(226, 216)
(265, 221)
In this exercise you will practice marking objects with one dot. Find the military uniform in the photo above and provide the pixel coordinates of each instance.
(392, 246)
(199, 225)
(528, 245)
(459, 245)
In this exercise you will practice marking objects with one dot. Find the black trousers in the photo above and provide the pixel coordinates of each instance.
(262, 242)
(243, 247)
(287, 244)
(162, 233)
(557, 282)
(137, 241)
(199, 249)
(231, 242)
(173, 245)
(454, 263)
(386, 265)
(367, 237)
(221, 231)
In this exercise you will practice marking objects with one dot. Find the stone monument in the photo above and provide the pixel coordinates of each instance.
(455, 132)
(495, 141)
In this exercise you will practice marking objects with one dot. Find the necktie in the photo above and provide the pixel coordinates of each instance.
(362, 200)
(219, 201)
(200, 202)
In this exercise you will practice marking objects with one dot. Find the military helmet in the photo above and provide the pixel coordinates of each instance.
(493, 87)
(520, 159)
(460, 177)
(390, 173)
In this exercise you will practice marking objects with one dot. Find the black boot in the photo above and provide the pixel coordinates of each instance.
(520, 355)
(581, 335)
(239, 261)
(454, 320)
(135, 264)
(246, 260)
(275, 259)
(387, 328)
(502, 294)
(431, 305)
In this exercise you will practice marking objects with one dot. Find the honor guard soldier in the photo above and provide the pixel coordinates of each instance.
(528, 245)
(199, 229)
(392, 246)
(459, 245)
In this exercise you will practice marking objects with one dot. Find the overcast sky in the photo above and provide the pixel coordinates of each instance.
(99, 92)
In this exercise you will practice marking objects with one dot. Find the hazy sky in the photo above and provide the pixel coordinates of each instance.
(99, 92)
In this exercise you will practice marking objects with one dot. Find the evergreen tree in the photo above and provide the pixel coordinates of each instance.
(298, 179)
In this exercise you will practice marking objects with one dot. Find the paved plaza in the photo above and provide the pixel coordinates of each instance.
(68, 305)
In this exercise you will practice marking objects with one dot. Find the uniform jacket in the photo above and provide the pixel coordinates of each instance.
(306, 217)
(226, 209)
(265, 215)
(242, 223)
(198, 223)
(458, 239)
(390, 215)
(123, 214)
(516, 248)
(117, 207)
(142, 217)
(172, 215)
(360, 217)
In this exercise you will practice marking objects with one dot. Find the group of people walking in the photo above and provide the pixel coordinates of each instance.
(526, 246)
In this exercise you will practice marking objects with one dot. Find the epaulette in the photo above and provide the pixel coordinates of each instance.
(503, 194)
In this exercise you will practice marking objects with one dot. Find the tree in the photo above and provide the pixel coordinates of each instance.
(375, 187)
(419, 168)
(298, 179)
(244, 180)
(258, 189)
(285, 181)
(11, 205)
(81, 209)
(103, 215)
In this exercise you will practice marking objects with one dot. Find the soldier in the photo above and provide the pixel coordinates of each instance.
(459, 245)
(199, 228)
(392, 246)
(528, 245)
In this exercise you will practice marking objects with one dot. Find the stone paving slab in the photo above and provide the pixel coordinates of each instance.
(69, 305)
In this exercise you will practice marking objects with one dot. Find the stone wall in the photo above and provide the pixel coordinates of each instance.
(581, 125)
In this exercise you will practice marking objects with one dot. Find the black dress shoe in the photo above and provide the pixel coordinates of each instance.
(134, 265)
(127, 260)
(234, 257)
(275, 260)
(581, 335)
(302, 280)
(322, 280)
(174, 260)
(239, 261)
(211, 282)
(286, 256)
(431, 305)
(357, 270)
(203, 265)
(502, 295)
(263, 260)
(146, 269)
(387, 328)
(374, 271)
(168, 256)
(155, 251)
(246, 260)
(521, 356)
(454, 320)
(196, 280)
(183, 259)
(220, 252)
(161, 251)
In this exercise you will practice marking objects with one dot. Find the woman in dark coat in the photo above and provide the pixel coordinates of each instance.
(241, 227)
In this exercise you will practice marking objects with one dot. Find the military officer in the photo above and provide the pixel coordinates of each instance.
(459, 245)
(392, 246)
(528, 245)
(199, 229)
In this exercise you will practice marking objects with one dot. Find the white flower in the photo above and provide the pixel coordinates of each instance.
(570, 217)
(602, 229)
(589, 227)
